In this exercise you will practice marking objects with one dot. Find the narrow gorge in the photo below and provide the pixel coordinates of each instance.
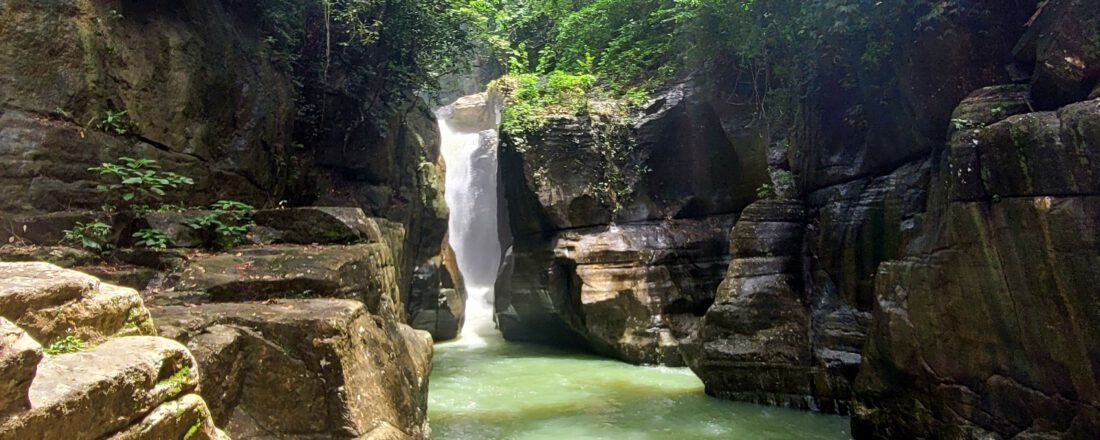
(543, 219)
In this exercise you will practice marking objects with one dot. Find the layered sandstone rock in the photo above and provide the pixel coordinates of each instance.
(634, 290)
(50, 303)
(753, 341)
(19, 357)
(126, 388)
(306, 368)
(364, 271)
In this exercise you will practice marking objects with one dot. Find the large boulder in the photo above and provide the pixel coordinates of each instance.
(124, 387)
(306, 368)
(364, 271)
(437, 304)
(50, 303)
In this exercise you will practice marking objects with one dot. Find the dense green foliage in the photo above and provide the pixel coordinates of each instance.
(377, 51)
(776, 48)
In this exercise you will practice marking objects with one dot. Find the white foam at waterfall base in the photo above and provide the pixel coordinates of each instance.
(471, 196)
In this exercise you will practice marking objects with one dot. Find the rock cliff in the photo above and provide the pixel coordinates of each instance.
(634, 290)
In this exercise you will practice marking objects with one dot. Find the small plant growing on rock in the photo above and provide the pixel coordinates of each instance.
(230, 222)
(137, 182)
(67, 344)
(781, 185)
(765, 191)
(94, 235)
(116, 122)
(152, 238)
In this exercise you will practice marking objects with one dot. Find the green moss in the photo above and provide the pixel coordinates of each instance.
(177, 382)
(193, 430)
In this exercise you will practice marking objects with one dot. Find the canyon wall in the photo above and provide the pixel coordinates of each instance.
(928, 271)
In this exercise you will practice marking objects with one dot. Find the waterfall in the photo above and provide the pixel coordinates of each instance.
(468, 131)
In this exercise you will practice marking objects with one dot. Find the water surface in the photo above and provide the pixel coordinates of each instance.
(485, 388)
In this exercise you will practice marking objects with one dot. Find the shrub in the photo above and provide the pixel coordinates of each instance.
(135, 183)
(229, 223)
(152, 238)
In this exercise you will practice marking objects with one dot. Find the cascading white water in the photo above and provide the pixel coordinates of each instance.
(469, 145)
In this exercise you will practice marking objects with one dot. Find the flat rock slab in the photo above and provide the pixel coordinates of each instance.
(365, 272)
(92, 393)
(49, 302)
(329, 368)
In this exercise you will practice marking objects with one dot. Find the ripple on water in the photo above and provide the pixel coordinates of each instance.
(523, 392)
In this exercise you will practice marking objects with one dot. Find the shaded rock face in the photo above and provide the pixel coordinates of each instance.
(634, 291)
(868, 119)
(1062, 46)
(306, 368)
(213, 111)
(861, 153)
(980, 326)
(441, 314)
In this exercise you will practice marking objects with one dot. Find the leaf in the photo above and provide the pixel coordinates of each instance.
(128, 196)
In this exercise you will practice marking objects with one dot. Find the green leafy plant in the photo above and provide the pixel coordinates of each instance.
(67, 344)
(137, 182)
(152, 238)
(93, 235)
(116, 122)
(765, 191)
(229, 222)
